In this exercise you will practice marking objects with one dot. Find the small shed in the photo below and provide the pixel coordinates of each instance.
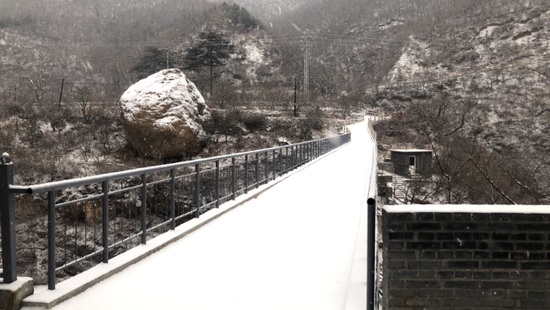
(412, 162)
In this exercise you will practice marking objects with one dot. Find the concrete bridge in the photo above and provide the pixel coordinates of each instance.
(297, 243)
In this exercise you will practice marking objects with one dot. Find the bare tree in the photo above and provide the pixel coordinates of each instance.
(37, 86)
(82, 97)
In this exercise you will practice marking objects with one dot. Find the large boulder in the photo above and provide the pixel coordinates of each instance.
(162, 115)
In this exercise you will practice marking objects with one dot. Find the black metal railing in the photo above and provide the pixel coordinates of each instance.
(93, 219)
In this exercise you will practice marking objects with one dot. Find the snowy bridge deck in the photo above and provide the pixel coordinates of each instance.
(299, 245)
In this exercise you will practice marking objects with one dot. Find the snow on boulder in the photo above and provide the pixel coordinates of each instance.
(162, 115)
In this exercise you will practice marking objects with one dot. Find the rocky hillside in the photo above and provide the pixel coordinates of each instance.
(492, 60)
(501, 63)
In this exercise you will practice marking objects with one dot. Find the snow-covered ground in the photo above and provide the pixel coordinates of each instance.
(293, 247)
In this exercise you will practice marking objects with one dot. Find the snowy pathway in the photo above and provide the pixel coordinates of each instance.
(291, 248)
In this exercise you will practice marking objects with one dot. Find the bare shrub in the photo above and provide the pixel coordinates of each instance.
(31, 127)
(314, 121)
(8, 135)
(255, 122)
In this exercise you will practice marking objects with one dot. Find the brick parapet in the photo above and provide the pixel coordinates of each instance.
(466, 260)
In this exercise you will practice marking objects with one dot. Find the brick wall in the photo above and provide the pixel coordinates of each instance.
(466, 260)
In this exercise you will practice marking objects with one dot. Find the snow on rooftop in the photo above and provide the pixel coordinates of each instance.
(412, 151)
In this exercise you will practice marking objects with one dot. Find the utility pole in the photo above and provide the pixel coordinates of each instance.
(306, 65)
(295, 97)
(61, 94)
(167, 60)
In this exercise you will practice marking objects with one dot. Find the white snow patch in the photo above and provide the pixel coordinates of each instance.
(406, 67)
(390, 24)
(409, 66)
(487, 32)
(253, 53)
(525, 40)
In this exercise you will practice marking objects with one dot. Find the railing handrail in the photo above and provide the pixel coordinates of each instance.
(46, 187)
(373, 188)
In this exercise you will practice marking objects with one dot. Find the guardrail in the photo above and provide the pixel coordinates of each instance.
(372, 205)
(99, 217)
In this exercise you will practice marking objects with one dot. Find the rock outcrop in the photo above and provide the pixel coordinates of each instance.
(162, 115)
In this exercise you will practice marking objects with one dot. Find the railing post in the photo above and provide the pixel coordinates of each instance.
(291, 166)
(371, 250)
(274, 165)
(299, 153)
(197, 190)
(217, 183)
(281, 162)
(51, 240)
(143, 208)
(173, 199)
(294, 157)
(286, 159)
(105, 220)
(246, 174)
(318, 148)
(257, 170)
(7, 212)
(233, 179)
(266, 168)
(314, 149)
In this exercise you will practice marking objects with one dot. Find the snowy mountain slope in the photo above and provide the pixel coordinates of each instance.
(499, 65)
(502, 64)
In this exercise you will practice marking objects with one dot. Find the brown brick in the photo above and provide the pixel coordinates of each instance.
(426, 236)
(421, 284)
(424, 302)
(489, 293)
(403, 274)
(399, 217)
(538, 303)
(530, 246)
(402, 255)
(424, 216)
(424, 226)
(401, 235)
(426, 245)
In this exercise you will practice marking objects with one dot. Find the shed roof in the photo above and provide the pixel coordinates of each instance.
(412, 151)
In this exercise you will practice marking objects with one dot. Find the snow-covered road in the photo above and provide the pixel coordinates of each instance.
(293, 247)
